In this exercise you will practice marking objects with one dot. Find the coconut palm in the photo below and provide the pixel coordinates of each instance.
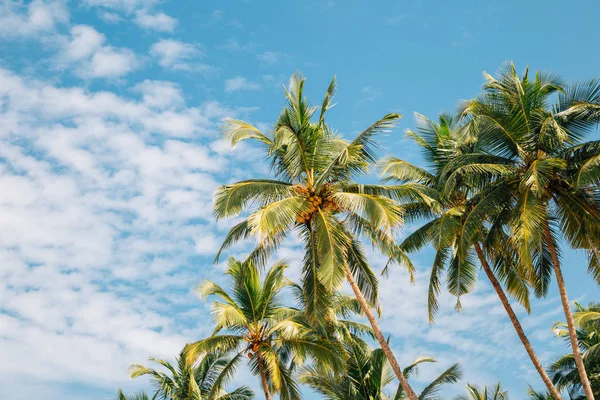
(315, 195)
(256, 324)
(564, 369)
(476, 393)
(203, 381)
(368, 376)
(538, 173)
(445, 218)
(138, 396)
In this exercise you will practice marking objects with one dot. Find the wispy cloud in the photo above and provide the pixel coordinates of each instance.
(158, 21)
(215, 17)
(141, 12)
(234, 46)
(240, 83)
(179, 56)
(110, 17)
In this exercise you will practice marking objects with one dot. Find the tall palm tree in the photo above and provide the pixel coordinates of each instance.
(564, 369)
(203, 381)
(476, 393)
(445, 218)
(315, 195)
(538, 173)
(256, 324)
(137, 396)
(369, 374)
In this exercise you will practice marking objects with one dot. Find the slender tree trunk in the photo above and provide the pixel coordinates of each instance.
(379, 335)
(585, 382)
(263, 377)
(517, 325)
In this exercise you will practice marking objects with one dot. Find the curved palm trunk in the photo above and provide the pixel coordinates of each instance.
(517, 325)
(379, 335)
(585, 382)
(263, 377)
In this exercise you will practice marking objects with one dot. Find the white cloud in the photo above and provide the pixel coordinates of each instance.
(207, 245)
(160, 94)
(110, 62)
(110, 17)
(141, 12)
(29, 20)
(84, 42)
(177, 55)
(240, 83)
(158, 21)
(85, 49)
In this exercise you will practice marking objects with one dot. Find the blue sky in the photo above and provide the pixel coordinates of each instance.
(109, 114)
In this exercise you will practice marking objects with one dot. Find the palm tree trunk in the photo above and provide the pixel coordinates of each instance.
(379, 335)
(585, 382)
(517, 325)
(263, 377)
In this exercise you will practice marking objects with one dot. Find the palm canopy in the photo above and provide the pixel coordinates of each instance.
(369, 375)
(536, 171)
(205, 380)
(563, 370)
(485, 393)
(447, 212)
(315, 194)
(251, 320)
(537, 174)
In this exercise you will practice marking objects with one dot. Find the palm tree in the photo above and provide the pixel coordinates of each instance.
(256, 324)
(203, 381)
(314, 193)
(475, 393)
(368, 375)
(138, 396)
(564, 369)
(537, 173)
(442, 142)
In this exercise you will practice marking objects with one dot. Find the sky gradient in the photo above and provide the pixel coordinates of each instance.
(110, 152)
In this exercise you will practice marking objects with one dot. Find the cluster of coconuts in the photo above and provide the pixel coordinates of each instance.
(254, 349)
(321, 200)
(305, 216)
